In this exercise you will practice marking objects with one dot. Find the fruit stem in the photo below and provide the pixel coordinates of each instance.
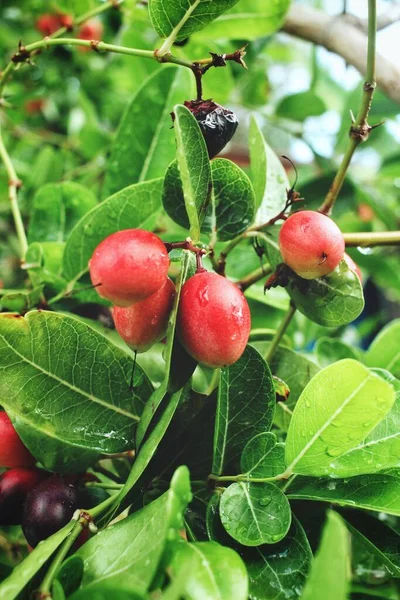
(375, 238)
(360, 129)
(169, 41)
(253, 277)
(13, 184)
(280, 333)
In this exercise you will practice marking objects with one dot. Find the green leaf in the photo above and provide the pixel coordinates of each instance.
(268, 176)
(21, 301)
(381, 448)
(333, 300)
(67, 388)
(379, 492)
(384, 352)
(141, 539)
(296, 371)
(101, 591)
(279, 571)
(231, 210)
(185, 17)
(329, 350)
(329, 577)
(11, 587)
(57, 207)
(132, 207)
(194, 167)
(246, 404)
(249, 20)
(144, 144)
(255, 513)
(212, 571)
(377, 536)
(340, 406)
(300, 106)
(263, 457)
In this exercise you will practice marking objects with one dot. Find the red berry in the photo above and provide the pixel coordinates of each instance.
(48, 24)
(13, 453)
(311, 244)
(352, 265)
(213, 319)
(144, 323)
(48, 507)
(14, 486)
(129, 265)
(91, 30)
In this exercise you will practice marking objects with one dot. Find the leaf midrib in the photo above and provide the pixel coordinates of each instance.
(90, 397)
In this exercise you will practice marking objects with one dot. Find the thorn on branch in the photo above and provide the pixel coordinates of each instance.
(361, 133)
(94, 44)
(22, 55)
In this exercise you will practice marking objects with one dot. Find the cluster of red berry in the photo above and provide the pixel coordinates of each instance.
(34, 498)
(48, 24)
(130, 268)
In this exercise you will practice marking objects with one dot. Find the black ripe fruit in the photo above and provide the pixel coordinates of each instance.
(217, 123)
(48, 507)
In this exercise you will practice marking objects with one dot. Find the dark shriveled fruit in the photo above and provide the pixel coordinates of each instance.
(48, 507)
(213, 321)
(217, 123)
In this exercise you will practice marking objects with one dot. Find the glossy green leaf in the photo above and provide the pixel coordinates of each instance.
(329, 577)
(141, 539)
(11, 587)
(255, 513)
(246, 404)
(213, 572)
(194, 168)
(380, 539)
(340, 406)
(57, 208)
(263, 457)
(67, 388)
(379, 492)
(333, 300)
(134, 206)
(380, 449)
(231, 209)
(70, 574)
(268, 176)
(144, 144)
(249, 20)
(296, 371)
(329, 350)
(384, 352)
(186, 17)
(300, 106)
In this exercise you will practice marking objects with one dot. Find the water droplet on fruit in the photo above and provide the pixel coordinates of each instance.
(202, 295)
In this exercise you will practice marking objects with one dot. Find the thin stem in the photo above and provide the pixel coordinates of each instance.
(62, 552)
(98, 46)
(106, 486)
(13, 185)
(246, 478)
(376, 238)
(253, 277)
(221, 261)
(280, 333)
(360, 130)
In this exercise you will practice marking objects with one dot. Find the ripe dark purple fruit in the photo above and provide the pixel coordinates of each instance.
(14, 486)
(129, 266)
(217, 123)
(145, 323)
(13, 453)
(48, 507)
(213, 321)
